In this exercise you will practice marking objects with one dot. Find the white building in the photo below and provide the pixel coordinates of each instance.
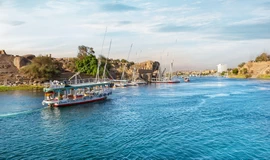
(221, 68)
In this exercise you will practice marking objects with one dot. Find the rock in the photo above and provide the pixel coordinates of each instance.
(19, 62)
(29, 56)
(3, 52)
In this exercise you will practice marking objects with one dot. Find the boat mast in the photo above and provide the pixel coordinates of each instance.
(103, 41)
(103, 76)
(97, 75)
(123, 73)
(160, 69)
(171, 70)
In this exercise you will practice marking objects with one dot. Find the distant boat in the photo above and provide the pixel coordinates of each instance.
(137, 82)
(123, 82)
(186, 79)
(120, 83)
(162, 79)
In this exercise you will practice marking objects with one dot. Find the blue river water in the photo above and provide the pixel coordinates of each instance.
(208, 118)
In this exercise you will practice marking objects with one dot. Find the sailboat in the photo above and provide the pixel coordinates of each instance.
(169, 79)
(123, 82)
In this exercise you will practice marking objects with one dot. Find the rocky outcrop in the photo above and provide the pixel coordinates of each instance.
(6, 64)
(19, 62)
(3, 52)
(29, 56)
(141, 69)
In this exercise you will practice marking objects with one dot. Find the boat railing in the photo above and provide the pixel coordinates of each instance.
(62, 84)
(87, 80)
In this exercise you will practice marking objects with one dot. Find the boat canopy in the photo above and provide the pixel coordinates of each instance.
(76, 86)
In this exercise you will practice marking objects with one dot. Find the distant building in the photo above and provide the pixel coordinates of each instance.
(221, 68)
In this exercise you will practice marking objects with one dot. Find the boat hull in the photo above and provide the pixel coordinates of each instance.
(165, 82)
(73, 102)
(79, 102)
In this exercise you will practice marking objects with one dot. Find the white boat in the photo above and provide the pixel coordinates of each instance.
(120, 83)
(135, 82)
(162, 79)
(62, 94)
(123, 82)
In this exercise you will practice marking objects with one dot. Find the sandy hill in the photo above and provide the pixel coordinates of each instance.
(256, 69)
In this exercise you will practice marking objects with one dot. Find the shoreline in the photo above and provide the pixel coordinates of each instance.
(23, 87)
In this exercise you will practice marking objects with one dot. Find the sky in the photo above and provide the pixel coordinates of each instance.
(194, 34)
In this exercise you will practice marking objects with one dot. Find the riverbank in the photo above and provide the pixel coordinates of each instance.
(237, 76)
(23, 87)
(264, 76)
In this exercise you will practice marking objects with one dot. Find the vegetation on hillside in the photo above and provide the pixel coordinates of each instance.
(262, 57)
(42, 67)
(245, 69)
(87, 62)
(46, 68)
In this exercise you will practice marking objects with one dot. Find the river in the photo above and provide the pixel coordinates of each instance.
(208, 118)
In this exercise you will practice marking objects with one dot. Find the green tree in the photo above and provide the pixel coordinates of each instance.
(84, 51)
(235, 71)
(223, 73)
(42, 67)
(124, 61)
(87, 64)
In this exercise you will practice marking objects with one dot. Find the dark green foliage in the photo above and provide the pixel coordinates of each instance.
(124, 61)
(42, 68)
(241, 65)
(131, 63)
(235, 71)
(87, 64)
(262, 57)
(223, 73)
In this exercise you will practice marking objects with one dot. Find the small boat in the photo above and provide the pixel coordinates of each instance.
(58, 95)
(166, 81)
(120, 83)
(140, 82)
(186, 79)
(132, 84)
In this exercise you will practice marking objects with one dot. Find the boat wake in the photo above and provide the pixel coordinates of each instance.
(218, 95)
(19, 113)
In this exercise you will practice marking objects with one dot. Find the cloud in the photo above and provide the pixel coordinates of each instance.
(173, 28)
(15, 23)
(118, 7)
(124, 22)
(244, 32)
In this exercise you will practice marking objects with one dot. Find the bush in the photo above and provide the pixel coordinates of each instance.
(235, 71)
(245, 71)
(262, 57)
(42, 68)
(241, 65)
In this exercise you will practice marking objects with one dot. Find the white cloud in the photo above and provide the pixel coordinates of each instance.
(58, 27)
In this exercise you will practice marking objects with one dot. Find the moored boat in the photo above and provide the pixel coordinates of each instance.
(162, 79)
